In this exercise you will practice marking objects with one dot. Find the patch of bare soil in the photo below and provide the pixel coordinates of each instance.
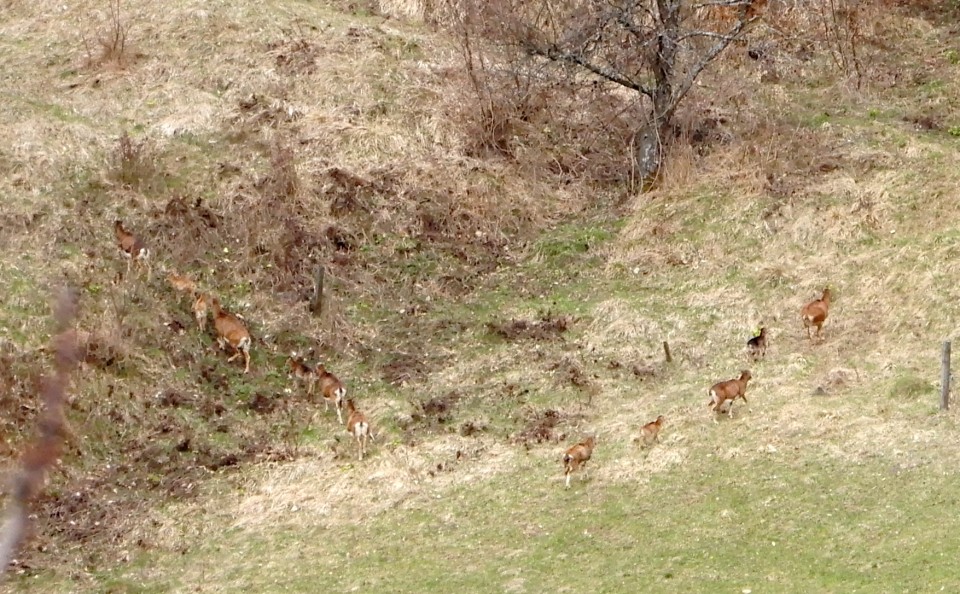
(570, 371)
(548, 327)
(403, 368)
(436, 411)
(541, 426)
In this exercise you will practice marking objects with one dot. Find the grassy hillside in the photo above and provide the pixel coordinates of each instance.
(485, 311)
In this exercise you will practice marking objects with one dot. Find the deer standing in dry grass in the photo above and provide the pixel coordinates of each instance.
(729, 390)
(303, 373)
(359, 427)
(132, 248)
(230, 330)
(757, 346)
(815, 313)
(201, 306)
(182, 283)
(332, 390)
(651, 431)
(577, 456)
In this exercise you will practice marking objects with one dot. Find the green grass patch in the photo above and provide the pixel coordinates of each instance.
(910, 385)
(784, 524)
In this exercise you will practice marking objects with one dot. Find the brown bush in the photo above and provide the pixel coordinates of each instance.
(110, 44)
(134, 165)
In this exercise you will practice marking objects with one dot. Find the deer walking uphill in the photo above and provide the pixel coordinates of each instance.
(132, 248)
(359, 427)
(332, 390)
(577, 456)
(757, 346)
(200, 308)
(230, 330)
(651, 431)
(815, 313)
(303, 373)
(729, 390)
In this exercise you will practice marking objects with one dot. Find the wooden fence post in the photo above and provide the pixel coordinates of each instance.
(945, 376)
(666, 352)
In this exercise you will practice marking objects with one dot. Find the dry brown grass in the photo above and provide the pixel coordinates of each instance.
(271, 141)
(239, 170)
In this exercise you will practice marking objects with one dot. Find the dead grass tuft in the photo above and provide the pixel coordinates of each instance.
(283, 182)
(134, 163)
(295, 54)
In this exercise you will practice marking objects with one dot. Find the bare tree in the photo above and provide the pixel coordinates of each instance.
(654, 48)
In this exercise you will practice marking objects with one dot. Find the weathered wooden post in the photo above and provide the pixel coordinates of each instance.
(945, 376)
(666, 352)
(316, 303)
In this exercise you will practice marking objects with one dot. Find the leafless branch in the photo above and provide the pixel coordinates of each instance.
(684, 86)
(721, 3)
(557, 55)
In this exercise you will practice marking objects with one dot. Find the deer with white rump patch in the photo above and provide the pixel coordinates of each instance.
(815, 313)
(332, 390)
(359, 427)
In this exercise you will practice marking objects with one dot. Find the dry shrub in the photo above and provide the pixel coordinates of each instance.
(540, 426)
(283, 182)
(133, 164)
(543, 116)
(851, 33)
(110, 44)
(436, 410)
(411, 9)
(463, 216)
(258, 111)
(404, 368)
(17, 403)
(186, 232)
(294, 54)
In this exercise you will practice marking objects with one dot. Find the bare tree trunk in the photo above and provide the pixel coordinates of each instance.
(647, 152)
(648, 142)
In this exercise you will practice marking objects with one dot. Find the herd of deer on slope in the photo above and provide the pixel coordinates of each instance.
(722, 394)
(231, 331)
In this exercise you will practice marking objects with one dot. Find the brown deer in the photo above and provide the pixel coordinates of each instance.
(729, 390)
(359, 427)
(651, 431)
(757, 346)
(815, 313)
(231, 331)
(577, 456)
(182, 283)
(132, 248)
(303, 373)
(332, 390)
